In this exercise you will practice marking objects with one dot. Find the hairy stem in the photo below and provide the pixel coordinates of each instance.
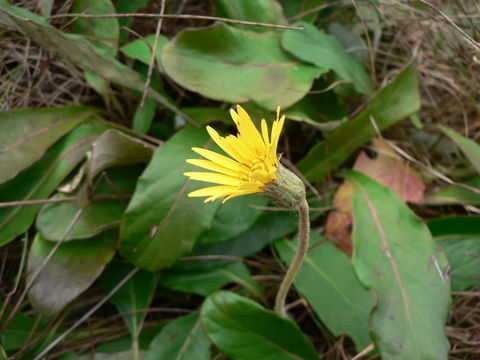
(304, 234)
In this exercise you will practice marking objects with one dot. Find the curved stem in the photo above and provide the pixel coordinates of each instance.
(304, 234)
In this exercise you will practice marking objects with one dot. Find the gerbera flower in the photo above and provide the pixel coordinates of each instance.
(253, 161)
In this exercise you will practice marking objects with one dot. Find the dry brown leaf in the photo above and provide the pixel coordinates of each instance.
(387, 168)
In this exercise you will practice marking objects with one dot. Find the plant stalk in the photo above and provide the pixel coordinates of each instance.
(304, 234)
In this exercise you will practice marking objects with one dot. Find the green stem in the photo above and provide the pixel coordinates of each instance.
(304, 234)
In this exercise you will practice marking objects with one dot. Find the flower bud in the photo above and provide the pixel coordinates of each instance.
(287, 190)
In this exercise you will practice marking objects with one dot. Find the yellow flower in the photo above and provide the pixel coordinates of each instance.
(253, 163)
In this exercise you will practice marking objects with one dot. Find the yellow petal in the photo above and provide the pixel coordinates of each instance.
(213, 178)
(225, 145)
(261, 176)
(265, 134)
(239, 145)
(276, 131)
(218, 158)
(240, 193)
(210, 165)
(213, 190)
(248, 131)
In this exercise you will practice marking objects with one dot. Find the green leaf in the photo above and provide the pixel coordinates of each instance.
(268, 228)
(136, 294)
(26, 134)
(3, 354)
(463, 253)
(154, 232)
(123, 355)
(248, 66)
(328, 282)
(469, 147)
(102, 32)
(321, 110)
(455, 225)
(391, 104)
(205, 282)
(180, 339)
(296, 8)
(78, 51)
(263, 11)
(141, 49)
(19, 329)
(42, 178)
(460, 239)
(205, 115)
(97, 215)
(457, 194)
(114, 148)
(353, 43)
(233, 218)
(71, 270)
(327, 52)
(244, 330)
(395, 256)
(143, 117)
(128, 7)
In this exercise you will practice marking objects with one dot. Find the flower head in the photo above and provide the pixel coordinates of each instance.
(253, 161)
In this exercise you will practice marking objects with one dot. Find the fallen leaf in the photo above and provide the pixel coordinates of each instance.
(387, 168)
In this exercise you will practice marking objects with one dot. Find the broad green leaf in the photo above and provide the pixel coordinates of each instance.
(268, 228)
(205, 282)
(97, 215)
(470, 148)
(327, 52)
(244, 330)
(181, 339)
(162, 223)
(71, 270)
(327, 280)
(298, 8)
(135, 295)
(102, 32)
(460, 239)
(3, 354)
(26, 134)
(141, 49)
(248, 66)
(233, 218)
(396, 257)
(263, 11)
(457, 194)
(78, 51)
(391, 104)
(42, 178)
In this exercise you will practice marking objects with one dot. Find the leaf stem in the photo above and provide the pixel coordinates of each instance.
(304, 234)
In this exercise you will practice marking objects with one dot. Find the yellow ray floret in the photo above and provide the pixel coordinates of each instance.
(252, 164)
